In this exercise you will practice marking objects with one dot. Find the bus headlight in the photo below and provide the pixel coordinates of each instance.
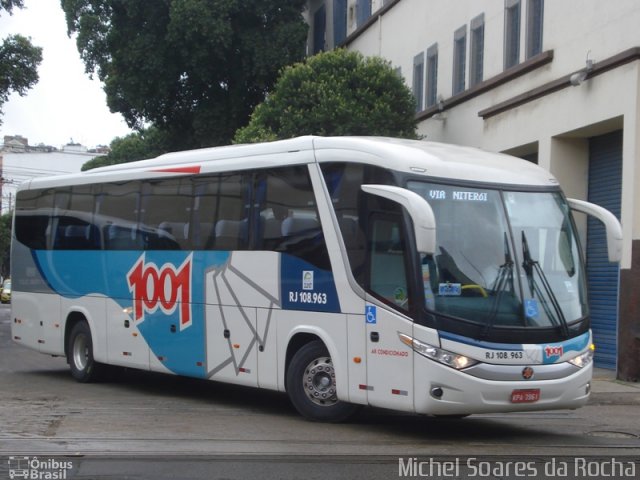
(445, 357)
(583, 359)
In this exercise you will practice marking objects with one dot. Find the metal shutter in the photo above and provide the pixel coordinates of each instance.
(339, 22)
(605, 189)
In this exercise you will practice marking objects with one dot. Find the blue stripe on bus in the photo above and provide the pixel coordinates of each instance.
(551, 352)
(76, 274)
(70, 274)
(576, 344)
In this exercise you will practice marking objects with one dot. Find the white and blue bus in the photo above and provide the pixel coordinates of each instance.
(408, 275)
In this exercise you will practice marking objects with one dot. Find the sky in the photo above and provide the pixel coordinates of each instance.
(65, 104)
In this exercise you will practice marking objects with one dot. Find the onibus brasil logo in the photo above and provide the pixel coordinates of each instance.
(40, 469)
(166, 288)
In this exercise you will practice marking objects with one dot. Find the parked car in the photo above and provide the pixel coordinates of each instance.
(5, 294)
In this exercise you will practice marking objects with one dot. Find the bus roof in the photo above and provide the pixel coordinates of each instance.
(441, 160)
(431, 159)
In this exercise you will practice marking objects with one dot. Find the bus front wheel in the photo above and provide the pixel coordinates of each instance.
(80, 354)
(311, 385)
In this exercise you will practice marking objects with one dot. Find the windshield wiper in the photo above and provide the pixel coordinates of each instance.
(532, 267)
(502, 282)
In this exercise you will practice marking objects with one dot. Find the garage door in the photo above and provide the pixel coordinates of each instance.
(605, 189)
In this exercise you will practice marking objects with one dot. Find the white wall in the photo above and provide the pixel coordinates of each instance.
(571, 29)
(558, 123)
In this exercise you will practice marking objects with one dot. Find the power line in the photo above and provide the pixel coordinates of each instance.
(16, 168)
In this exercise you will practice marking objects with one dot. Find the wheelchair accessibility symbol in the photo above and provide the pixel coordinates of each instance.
(370, 314)
(531, 308)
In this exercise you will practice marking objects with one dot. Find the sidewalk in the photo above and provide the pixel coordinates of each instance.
(605, 381)
(606, 390)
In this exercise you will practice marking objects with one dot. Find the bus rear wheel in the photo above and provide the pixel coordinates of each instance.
(311, 385)
(80, 354)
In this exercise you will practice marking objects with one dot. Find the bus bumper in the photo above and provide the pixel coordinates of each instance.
(441, 390)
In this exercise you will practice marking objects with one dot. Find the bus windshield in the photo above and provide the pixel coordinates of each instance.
(503, 259)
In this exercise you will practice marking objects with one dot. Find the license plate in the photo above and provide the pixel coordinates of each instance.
(525, 396)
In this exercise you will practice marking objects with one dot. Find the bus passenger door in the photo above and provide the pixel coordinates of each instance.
(231, 344)
(231, 319)
(389, 361)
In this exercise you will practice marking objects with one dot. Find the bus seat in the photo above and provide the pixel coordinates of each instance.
(270, 227)
(76, 237)
(176, 230)
(123, 238)
(294, 225)
(269, 232)
(75, 231)
(202, 234)
(167, 229)
(230, 234)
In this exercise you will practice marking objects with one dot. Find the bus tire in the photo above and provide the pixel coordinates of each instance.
(80, 354)
(311, 385)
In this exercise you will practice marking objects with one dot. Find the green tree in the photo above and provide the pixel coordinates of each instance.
(148, 143)
(334, 93)
(193, 68)
(19, 60)
(9, 5)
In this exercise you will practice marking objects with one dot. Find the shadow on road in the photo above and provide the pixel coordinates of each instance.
(200, 394)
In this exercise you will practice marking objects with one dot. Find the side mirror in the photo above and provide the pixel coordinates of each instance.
(611, 224)
(424, 221)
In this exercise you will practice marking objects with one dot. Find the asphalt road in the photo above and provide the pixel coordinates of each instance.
(144, 425)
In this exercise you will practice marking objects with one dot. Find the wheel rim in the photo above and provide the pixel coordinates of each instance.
(81, 352)
(319, 382)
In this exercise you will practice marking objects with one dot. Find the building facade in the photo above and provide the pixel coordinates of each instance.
(20, 162)
(554, 82)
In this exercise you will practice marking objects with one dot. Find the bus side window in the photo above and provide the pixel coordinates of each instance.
(220, 212)
(343, 181)
(74, 234)
(288, 219)
(270, 227)
(387, 266)
(33, 218)
(166, 208)
(117, 211)
(123, 238)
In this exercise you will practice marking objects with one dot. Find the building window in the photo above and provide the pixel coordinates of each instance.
(418, 80)
(535, 10)
(339, 21)
(319, 29)
(363, 11)
(511, 33)
(432, 75)
(459, 59)
(476, 59)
